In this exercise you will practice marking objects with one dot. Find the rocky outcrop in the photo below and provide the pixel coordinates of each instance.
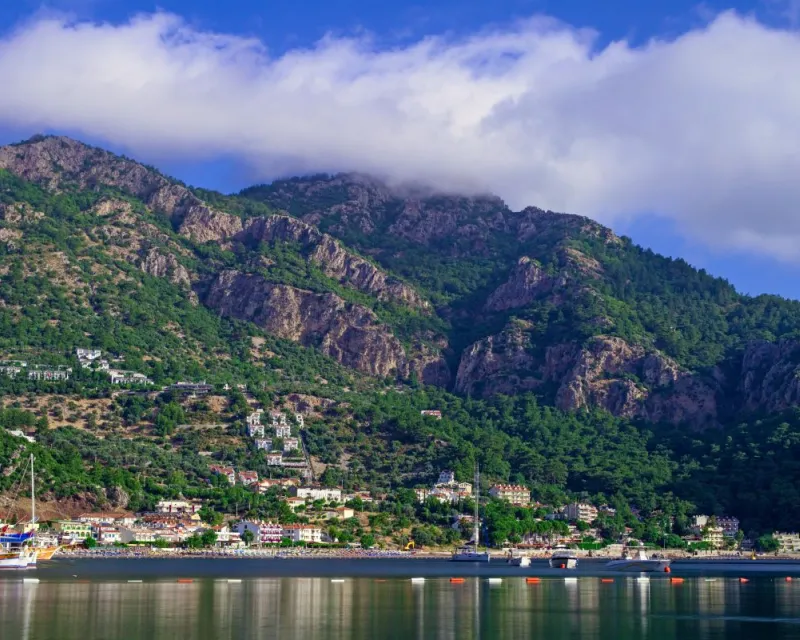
(498, 364)
(333, 259)
(607, 373)
(163, 265)
(52, 160)
(527, 282)
(347, 332)
(770, 376)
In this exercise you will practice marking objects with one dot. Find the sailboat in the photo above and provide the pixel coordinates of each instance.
(469, 553)
(16, 552)
(45, 548)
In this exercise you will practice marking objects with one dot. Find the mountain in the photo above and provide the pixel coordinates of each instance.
(560, 354)
(558, 304)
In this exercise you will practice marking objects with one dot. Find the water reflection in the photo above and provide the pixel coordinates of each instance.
(364, 608)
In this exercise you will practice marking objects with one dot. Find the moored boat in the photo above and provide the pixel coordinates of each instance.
(18, 559)
(638, 562)
(563, 558)
(470, 553)
(518, 560)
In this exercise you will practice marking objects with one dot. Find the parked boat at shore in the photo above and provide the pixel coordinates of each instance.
(563, 558)
(638, 562)
(469, 553)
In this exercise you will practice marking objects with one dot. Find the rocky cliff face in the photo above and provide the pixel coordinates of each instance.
(347, 332)
(52, 161)
(770, 376)
(335, 262)
(607, 372)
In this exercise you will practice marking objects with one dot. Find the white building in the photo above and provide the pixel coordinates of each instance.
(98, 518)
(446, 477)
(139, 534)
(50, 374)
(255, 430)
(274, 459)
(788, 541)
(580, 511)
(178, 506)
(298, 417)
(290, 444)
(514, 493)
(302, 532)
(248, 477)
(263, 444)
(317, 493)
(107, 535)
(263, 532)
(128, 377)
(729, 524)
(283, 431)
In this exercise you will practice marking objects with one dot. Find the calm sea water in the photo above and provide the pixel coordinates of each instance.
(93, 600)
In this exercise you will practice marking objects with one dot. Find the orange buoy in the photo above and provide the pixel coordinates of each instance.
(533, 580)
(562, 566)
(667, 570)
(788, 578)
(185, 580)
(606, 579)
(743, 580)
(457, 580)
(676, 580)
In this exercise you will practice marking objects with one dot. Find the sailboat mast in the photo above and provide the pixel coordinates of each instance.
(476, 532)
(33, 495)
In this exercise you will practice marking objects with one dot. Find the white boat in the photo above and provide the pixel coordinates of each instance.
(470, 553)
(518, 560)
(18, 559)
(563, 558)
(638, 562)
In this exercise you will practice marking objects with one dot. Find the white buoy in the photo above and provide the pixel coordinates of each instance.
(417, 580)
(570, 580)
(643, 579)
(30, 580)
(337, 580)
(234, 580)
(495, 580)
(135, 581)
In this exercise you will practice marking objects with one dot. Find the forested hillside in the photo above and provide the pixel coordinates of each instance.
(559, 354)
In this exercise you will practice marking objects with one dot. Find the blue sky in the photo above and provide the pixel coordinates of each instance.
(746, 258)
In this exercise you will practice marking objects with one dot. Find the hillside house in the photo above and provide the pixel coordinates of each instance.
(317, 493)
(290, 444)
(191, 388)
(12, 368)
(178, 506)
(118, 376)
(433, 413)
(255, 430)
(228, 472)
(104, 518)
(263, 444)
(300, 420)
(516, 494)
(283, 431)
(274, 459)
(248, 477)
(49, 374)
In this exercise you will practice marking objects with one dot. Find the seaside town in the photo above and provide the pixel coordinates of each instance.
(311, 513)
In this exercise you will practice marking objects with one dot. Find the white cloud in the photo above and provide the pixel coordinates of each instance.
(703, 129)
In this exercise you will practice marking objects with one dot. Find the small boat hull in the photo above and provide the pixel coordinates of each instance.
(564, 563)
(470, 556)
(46, 553)
(17, 560)
(638, 566)
(521, 561)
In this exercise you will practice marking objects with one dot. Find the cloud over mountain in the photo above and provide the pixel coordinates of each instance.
(702, 129)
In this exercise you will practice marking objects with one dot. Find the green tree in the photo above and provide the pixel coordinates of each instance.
(90, 543)
(248, 536)
(208, 538)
